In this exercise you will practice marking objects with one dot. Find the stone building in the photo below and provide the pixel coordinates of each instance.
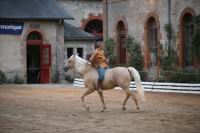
(87, 27)
(32, 39)
(77, 41)
(146, 20)
(88, 15)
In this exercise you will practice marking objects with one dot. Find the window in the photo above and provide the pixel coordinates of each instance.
(69, 52)
(152, 41)
(121, 35)
(94, 26)
(80, 52)
(34, 36)
(46, 56)
(188, 29)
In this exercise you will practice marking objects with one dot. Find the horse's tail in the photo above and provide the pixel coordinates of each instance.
(137, 79)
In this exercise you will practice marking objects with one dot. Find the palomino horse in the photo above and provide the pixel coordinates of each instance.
(115, 77)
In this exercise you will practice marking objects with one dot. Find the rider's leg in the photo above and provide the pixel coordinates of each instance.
(101, 72)
(100, 85)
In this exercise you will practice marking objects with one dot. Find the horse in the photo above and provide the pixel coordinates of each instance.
(115, 77)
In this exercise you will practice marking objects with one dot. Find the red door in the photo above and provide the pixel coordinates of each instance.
(45, 63)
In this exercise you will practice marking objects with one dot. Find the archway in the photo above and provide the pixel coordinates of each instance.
(34, 41)
(94, 25)
(38, 59)
(186, 33)
(152, 38)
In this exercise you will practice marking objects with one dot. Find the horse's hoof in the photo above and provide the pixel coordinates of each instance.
(138, 109)
(88, 109)
(103, 109)
(123, 108)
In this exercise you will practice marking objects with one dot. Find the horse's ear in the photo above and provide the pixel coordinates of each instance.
(75, 54)
(89, 63)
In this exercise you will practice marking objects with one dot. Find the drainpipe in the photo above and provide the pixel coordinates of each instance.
(169, 11)
(105, 22)
(57, 50)
(107, 17)
(169, 22)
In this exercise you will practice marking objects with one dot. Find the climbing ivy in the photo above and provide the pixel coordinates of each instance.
(109, 50)
(134, 49)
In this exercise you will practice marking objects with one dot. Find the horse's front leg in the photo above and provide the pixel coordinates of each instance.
(102, 100)
(88, 91)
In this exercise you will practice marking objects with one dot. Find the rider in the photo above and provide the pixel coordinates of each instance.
(100, 62)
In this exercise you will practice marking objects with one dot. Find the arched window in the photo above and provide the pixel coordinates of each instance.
(34, 36)
(187, 32)
(95, 27)
(121, 36)
(152, 41)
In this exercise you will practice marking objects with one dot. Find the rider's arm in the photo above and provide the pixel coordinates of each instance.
(93, 56)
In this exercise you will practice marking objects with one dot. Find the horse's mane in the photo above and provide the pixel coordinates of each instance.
(80, 63)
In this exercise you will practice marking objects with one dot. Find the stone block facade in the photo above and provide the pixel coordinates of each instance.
(146, 20)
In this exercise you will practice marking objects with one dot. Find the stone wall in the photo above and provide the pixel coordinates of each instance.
(136, 13)
(81, 10)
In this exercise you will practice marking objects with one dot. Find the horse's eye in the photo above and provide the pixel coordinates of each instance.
(69, 61)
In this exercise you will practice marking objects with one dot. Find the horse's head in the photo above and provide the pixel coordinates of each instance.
(77, 63)
(70, 64)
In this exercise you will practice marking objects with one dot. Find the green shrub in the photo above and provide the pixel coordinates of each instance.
(143, 76)
(169, 59)
(183, 76)
(3, 77)
(18, 80)
(109, 50)
(9, 81)
(69, 78)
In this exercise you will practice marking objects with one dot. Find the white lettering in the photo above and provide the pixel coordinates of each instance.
(11, 27)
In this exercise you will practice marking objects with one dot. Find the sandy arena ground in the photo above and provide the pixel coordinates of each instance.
(58, 109)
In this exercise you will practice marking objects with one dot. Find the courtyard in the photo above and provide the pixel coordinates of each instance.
(57, 108)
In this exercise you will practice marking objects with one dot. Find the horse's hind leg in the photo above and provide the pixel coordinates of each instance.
(130, 94)
(102, 100)
(124, 103)
(88, 91)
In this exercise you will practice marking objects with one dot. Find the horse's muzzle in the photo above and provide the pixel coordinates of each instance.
(65, 69)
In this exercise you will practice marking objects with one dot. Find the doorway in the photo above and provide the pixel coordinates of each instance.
(33, 64)
(38, 59)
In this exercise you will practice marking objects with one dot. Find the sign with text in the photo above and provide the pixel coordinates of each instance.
(9, 27)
